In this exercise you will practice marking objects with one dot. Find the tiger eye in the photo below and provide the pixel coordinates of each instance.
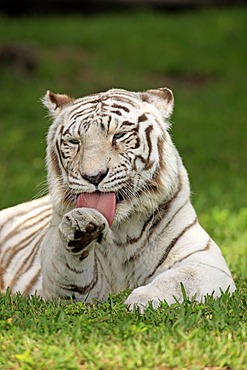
(74, 141)
(117, 136)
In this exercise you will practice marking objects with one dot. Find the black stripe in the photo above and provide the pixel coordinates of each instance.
(67, 131)
(83, 113)
(148, 131)
(27, 262)
(173, 217)
(154, 219)
(142, 118)
(197, 251)
(125, 99)
(215, 267)
(87, 288)
(153, 229)
(25, 227)
(32, 282)
(73, 269)
(118, 106)
(170, 246)
(22, 212)
(12, 252)
(58, 152)
(127, 124)
(74, 113)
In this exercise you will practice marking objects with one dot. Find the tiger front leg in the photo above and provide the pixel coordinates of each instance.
(70, 263)
(198, 279)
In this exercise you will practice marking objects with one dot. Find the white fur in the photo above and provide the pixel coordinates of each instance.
(155, 242)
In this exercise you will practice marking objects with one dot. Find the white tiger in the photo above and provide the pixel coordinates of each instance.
(121, 215)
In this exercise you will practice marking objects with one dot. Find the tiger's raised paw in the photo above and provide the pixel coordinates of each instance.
(80, 227)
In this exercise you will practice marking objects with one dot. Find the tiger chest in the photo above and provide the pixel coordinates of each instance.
(130, 263)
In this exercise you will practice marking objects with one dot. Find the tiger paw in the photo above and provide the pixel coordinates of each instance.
(146, 296)
(80, 227)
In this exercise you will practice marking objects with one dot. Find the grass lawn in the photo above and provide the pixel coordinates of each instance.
(201, 55)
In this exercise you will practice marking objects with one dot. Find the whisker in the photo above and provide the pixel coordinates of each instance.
(43, 191)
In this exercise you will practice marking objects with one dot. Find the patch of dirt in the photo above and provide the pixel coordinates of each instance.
(19, 56)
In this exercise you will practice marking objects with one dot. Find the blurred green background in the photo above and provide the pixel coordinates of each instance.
(200, 55)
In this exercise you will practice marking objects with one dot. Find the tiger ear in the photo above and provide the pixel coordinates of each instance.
(55, 102)
(162, 99)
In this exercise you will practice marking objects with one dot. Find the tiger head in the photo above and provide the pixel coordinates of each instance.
(116, 141)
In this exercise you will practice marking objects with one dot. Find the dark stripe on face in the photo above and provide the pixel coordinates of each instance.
(170, 246)
(142, 118)
(148, 131)
(162, 166)
(85, 108)
(55, 162)
(125, 99)
(59, 154)
(68, 129)
(127, 124)
(147, 163)
(118, 106)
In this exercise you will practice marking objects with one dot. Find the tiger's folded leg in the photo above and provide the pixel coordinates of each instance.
(71, 266)
(198, 279)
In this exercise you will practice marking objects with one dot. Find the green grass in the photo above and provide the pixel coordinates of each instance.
(106, 336)
(202, 57)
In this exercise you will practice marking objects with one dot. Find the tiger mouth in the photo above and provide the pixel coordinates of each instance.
(104, 202)
(119, 197)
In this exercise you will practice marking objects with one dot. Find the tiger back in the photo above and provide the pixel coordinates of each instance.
(119, 214)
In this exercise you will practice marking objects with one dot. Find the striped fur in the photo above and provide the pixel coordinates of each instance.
(116, 141)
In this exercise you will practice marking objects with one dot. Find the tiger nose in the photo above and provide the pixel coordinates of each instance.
(96, 179)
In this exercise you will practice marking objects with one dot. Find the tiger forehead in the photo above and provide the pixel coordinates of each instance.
(103, 103)
(108, 112)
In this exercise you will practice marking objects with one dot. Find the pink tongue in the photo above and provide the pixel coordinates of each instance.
(105, 203)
